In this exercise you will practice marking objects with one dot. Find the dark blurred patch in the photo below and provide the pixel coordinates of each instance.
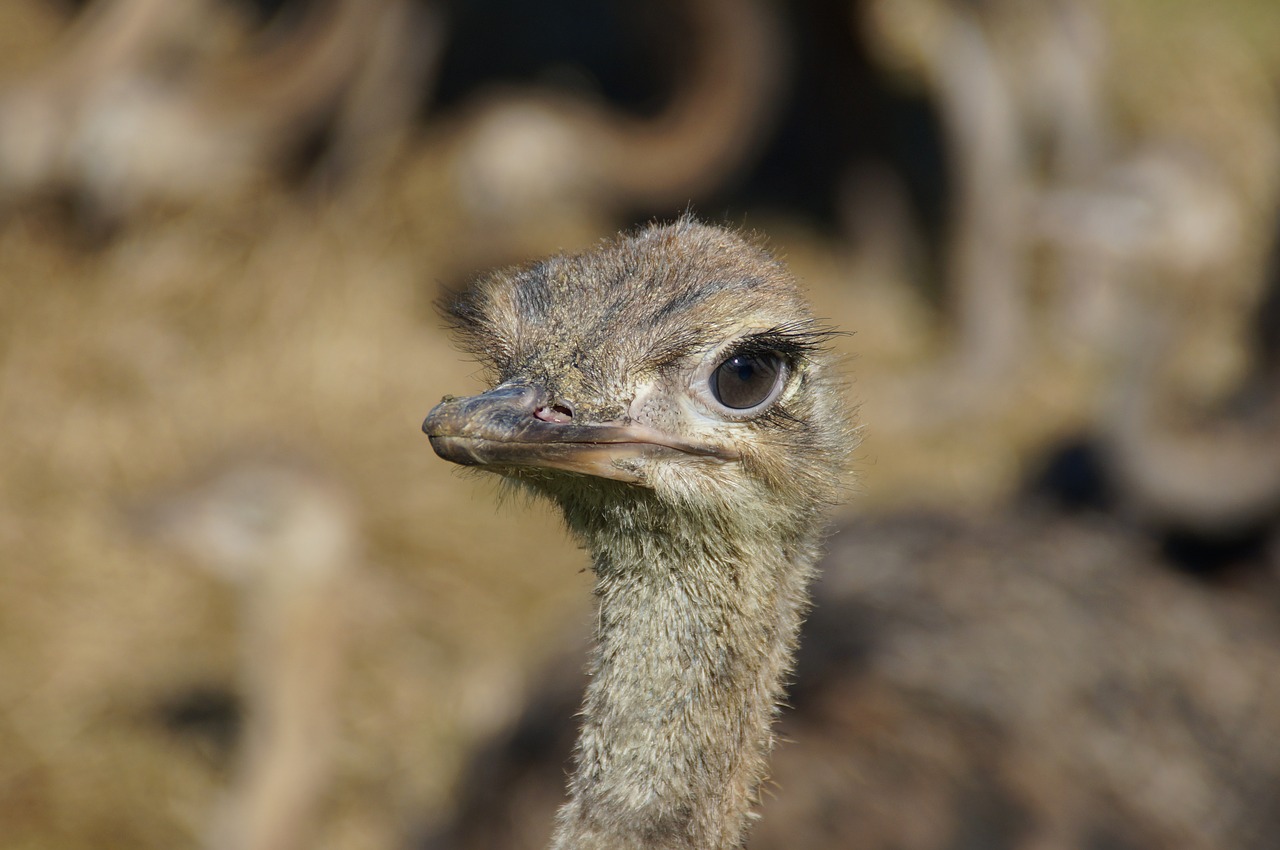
(63, 215)
(1217, 557)
(280, 14)
(838, 639)
(210, 716)
(629, 52)
(1267, 323)
(988, 817)
(1072, 477)
(841, 114)
(1111, 837)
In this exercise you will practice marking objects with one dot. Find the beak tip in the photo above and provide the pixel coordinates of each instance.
(432, 424)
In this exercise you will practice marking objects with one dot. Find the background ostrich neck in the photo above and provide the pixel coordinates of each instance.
(695, 635)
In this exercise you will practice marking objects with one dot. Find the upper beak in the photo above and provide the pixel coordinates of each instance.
(500, 428)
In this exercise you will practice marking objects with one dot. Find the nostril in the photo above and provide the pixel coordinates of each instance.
(558, 412)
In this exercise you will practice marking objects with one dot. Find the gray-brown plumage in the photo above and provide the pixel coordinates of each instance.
(1020, 682)
(671, 392)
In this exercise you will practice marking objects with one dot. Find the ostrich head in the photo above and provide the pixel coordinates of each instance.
(677, 367)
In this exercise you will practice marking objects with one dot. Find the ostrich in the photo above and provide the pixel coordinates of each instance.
(285, 536)
(673, 394)
(525, 163)
(1022, 680)
(140, 110)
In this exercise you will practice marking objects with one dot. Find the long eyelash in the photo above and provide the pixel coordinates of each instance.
(796, 341)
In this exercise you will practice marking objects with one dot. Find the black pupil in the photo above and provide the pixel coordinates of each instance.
(745, 380)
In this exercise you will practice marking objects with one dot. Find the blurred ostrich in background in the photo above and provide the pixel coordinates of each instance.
(174, 104)
(286, 538)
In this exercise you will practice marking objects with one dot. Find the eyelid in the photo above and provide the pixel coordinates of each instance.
(700, 387)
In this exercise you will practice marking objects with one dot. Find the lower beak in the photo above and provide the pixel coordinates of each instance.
(500, 429)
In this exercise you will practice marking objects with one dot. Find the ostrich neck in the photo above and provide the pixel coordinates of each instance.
(694, 639)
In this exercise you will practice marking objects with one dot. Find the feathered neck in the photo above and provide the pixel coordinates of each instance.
(697, 628)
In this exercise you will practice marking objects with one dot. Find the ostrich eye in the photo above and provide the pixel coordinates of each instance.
(745, 381)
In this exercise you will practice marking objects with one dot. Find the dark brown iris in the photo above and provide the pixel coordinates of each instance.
(745, 381)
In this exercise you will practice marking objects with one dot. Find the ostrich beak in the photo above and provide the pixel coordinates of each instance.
(504, 428)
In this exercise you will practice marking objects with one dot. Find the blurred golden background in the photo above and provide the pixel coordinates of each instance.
(1050, 226)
